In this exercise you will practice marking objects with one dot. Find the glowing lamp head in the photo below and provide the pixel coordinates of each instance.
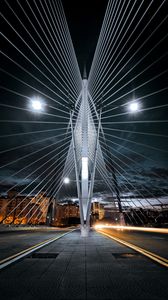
(134, 107)
(66, 180)
(37, 104)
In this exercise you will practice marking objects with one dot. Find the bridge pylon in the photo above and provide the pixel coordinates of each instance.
(87, 152)
(84, 147)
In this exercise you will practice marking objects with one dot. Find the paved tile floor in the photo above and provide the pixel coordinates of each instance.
(92, 268)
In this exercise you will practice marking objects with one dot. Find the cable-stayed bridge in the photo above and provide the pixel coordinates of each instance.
(83, 136)
(106, 131)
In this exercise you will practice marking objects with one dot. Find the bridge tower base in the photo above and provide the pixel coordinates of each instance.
(85, 230)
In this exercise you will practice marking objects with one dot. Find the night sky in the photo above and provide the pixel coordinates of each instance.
(137, 142)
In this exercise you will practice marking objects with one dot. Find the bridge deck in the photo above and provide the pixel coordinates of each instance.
(85, 268)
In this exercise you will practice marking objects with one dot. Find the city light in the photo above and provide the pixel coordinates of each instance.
(66, 180)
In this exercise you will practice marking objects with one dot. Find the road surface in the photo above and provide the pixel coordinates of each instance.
(13, 241)
(154, 242)
(78, 268)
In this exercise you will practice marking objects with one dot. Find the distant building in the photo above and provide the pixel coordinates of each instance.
(3, 202)
(98, 210)
(67, 214)
(21, 209)
(42, 201)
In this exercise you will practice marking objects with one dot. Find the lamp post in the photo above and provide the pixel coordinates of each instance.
(132, 107)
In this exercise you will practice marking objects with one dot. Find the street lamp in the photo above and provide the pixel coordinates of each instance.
(37, 104)
(133, 106)
(66, 180)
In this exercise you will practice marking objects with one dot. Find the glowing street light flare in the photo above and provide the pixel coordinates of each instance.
(66, 180)
(37, 104)
(133, 106)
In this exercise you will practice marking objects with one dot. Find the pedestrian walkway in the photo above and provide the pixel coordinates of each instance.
(77, 268)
